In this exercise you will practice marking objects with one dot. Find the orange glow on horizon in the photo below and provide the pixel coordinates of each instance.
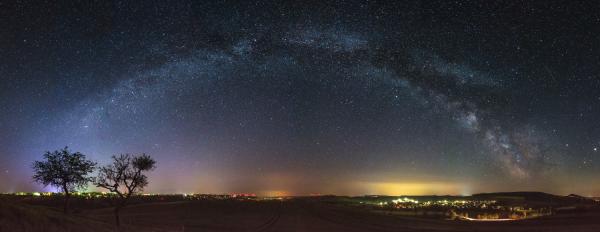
(414, 188)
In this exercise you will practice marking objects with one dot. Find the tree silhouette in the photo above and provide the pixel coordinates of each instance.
(64, 170)
(125, 177)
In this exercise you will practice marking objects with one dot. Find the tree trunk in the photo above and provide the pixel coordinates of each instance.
(67, 195)
(66, 206)
(117, 208)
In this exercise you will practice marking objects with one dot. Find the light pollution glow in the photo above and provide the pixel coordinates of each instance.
(390, 99)
(414, 188)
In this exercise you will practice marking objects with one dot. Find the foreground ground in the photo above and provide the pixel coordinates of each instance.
(273, 215)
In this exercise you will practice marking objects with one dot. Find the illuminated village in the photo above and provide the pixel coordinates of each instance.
(441, 207)
(302, 116)
(459, 209)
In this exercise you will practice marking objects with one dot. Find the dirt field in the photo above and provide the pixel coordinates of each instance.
(300, 214)
(305, 215)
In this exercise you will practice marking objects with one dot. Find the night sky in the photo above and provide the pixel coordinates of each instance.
(295, 98)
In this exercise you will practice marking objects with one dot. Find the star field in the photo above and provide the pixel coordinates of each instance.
(345, 97)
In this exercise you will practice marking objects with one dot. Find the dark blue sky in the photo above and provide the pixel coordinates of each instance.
(293, 98)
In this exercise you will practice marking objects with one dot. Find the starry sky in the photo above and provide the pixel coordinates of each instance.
(291, 98)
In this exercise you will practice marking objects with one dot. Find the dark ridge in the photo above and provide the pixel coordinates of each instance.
(535, 198)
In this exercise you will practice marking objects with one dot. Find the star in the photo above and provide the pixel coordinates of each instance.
(217, 90)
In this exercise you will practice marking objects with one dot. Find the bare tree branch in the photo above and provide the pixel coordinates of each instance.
(125, 177)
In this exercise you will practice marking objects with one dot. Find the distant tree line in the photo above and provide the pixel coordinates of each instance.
(70, 171)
